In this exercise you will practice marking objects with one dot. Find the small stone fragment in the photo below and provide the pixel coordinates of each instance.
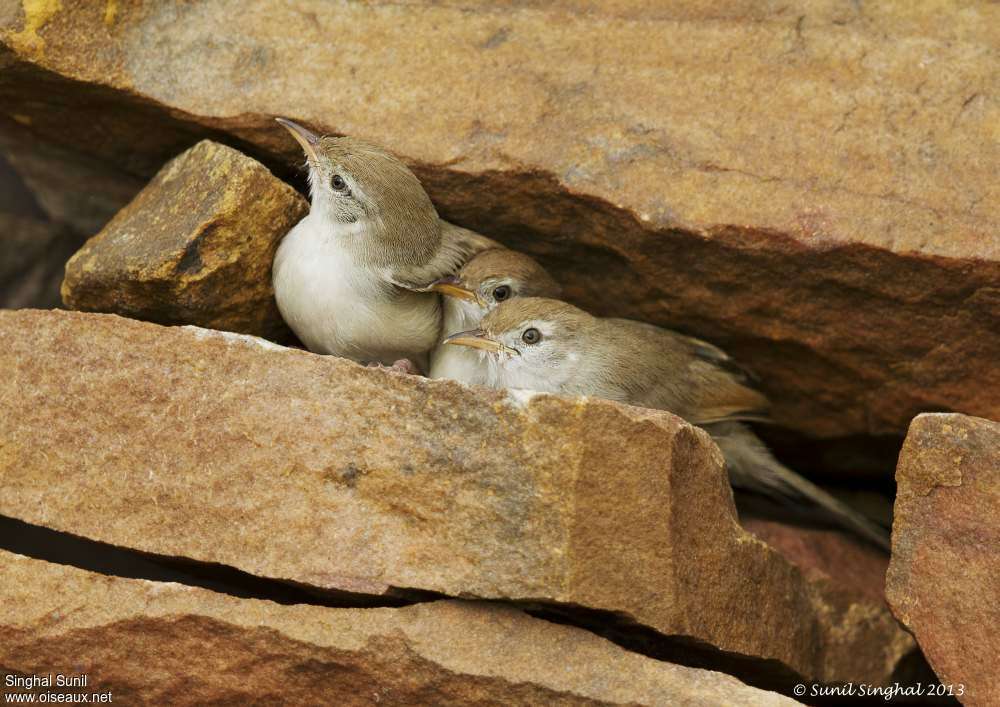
(195, 246)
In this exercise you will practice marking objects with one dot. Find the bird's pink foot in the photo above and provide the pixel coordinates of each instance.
(403, 365)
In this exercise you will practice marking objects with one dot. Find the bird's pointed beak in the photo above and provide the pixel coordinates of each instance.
(479, 339)
(451, 287)
(305, 137)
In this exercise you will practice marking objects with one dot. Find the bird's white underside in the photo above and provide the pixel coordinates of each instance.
(337, 305)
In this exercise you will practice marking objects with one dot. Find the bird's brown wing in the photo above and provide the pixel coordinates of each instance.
(689, 377)
(458, 245)
(729, 392)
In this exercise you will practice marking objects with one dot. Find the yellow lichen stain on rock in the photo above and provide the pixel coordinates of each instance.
(110, 13)
(36, 14)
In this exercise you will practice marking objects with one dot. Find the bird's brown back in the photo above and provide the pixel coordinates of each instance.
(659, 368)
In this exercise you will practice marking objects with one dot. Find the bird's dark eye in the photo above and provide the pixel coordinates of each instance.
(501, 293)
(531, 336)
(338, 183)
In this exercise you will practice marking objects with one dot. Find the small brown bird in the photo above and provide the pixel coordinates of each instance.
(550, 346)
(489, 278)
(351, 278)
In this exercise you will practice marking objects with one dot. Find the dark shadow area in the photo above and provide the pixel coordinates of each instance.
(860, 461)
(803, 516)
(15, 197)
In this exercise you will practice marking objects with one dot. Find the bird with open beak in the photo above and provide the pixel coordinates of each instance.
(550, 346)
(489, 278)
(351, 278)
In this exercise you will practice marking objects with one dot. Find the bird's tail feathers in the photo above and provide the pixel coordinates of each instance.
(754, 468)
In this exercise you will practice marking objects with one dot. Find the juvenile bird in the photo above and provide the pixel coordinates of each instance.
(351, 277)
(489, 278)
(551, 346)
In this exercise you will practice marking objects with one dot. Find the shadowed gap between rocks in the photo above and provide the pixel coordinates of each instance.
(102, 558)
(62, 548)
(764, 674)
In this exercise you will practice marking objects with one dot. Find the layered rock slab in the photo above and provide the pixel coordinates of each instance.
(147, 643)
(841, 237)
(194, 247)
(228, 449)
(944, 579)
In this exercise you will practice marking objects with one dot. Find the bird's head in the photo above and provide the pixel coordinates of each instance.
(537, 342)
(366, 192)
(495, 276)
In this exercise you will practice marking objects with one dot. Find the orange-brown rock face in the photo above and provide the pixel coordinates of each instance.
(194, 247)
(225, 449)
(811, 186)
(160, 643)
(944, 579)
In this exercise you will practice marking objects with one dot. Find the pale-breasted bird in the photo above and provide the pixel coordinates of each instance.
(489, 278)
(550, 346)
(351, 278)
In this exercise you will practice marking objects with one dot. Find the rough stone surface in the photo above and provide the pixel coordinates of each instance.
(157, 643)
(227, 449)
(944, 579)
(194, 247)
(811, 186)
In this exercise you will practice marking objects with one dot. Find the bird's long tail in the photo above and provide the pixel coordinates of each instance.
(752, 467)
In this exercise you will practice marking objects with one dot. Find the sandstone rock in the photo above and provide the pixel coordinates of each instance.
(161, 643)
(194, 247)
(292, 466)
(812, 186)
(944, 579)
